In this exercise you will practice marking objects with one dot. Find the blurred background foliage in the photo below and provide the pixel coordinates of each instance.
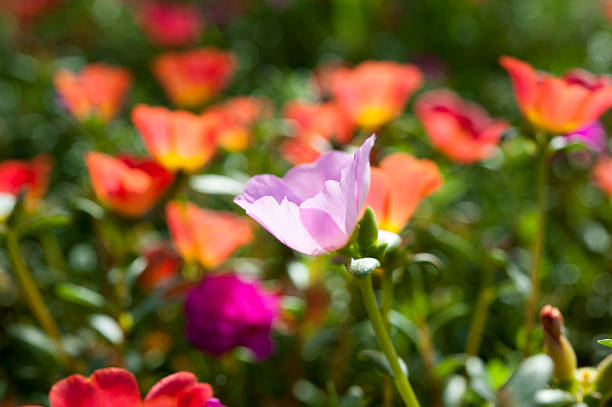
(481, 221)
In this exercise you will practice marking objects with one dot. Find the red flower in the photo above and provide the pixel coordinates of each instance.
(27, 10)
(558, 105)
(375, 92)
(316, 125)
(128, 185)
(234, 120)
(397, 186)
(207, 236)
(171, 24)
(178, 140)
(33, 175)
(114, 386)
(602, 174)
(192, 78)
(163, 265)
(98, 90)
(462, 130)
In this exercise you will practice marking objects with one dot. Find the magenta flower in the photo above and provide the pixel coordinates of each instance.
(225, 311)
(315, 207)
(592, 135)
(213, 402)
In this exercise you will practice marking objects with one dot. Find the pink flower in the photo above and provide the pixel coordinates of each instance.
(171, 24)
(225, 311)
(315, 207)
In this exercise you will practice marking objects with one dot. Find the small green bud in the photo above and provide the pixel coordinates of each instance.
(368, 229)
(361, 268)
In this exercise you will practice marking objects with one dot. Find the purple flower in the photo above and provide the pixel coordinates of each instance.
(315, 207)
(225, 311)
(213, 402)
(592, 135)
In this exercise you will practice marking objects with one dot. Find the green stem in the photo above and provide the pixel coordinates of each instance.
(401, 381)
(32, 294)
(481, 310)
(427, 351)
(54, 256)
(538, 243)
(386, 307)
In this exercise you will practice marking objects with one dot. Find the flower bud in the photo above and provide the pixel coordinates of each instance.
(558, 347)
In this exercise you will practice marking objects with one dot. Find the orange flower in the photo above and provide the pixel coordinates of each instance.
(558, 105)
(98, 90)
(602, 174)
(462, 130)
(207, 236)
(315, 124)
(128, 185)
(607, 8)
(323, 74)
(33, 175)
(397, 186)
(375, 92)
(178, 140)
(192, 78)
(234, 120)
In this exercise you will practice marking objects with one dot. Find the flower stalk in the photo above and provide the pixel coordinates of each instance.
(483, 302)
(538, 242)
(32, 294)
(386, 307)
(399, 378)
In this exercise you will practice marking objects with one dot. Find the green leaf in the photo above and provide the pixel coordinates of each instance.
(533, 374)
(427, 258)
(605, 342)
(213, 184)
(554, 398)
(353, 398)
(361, 268)
(450, 364)
(7, 204)
(90, 207)
(447, 315)
(35, 338)
(42, 223)
(454, 392)
(380, 360)
(480, 382)
(107, 327)
(405, 325)
(332, 395)
(80, 295)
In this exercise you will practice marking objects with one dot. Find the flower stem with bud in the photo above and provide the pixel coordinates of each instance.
(538, 242)
(370, 250)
